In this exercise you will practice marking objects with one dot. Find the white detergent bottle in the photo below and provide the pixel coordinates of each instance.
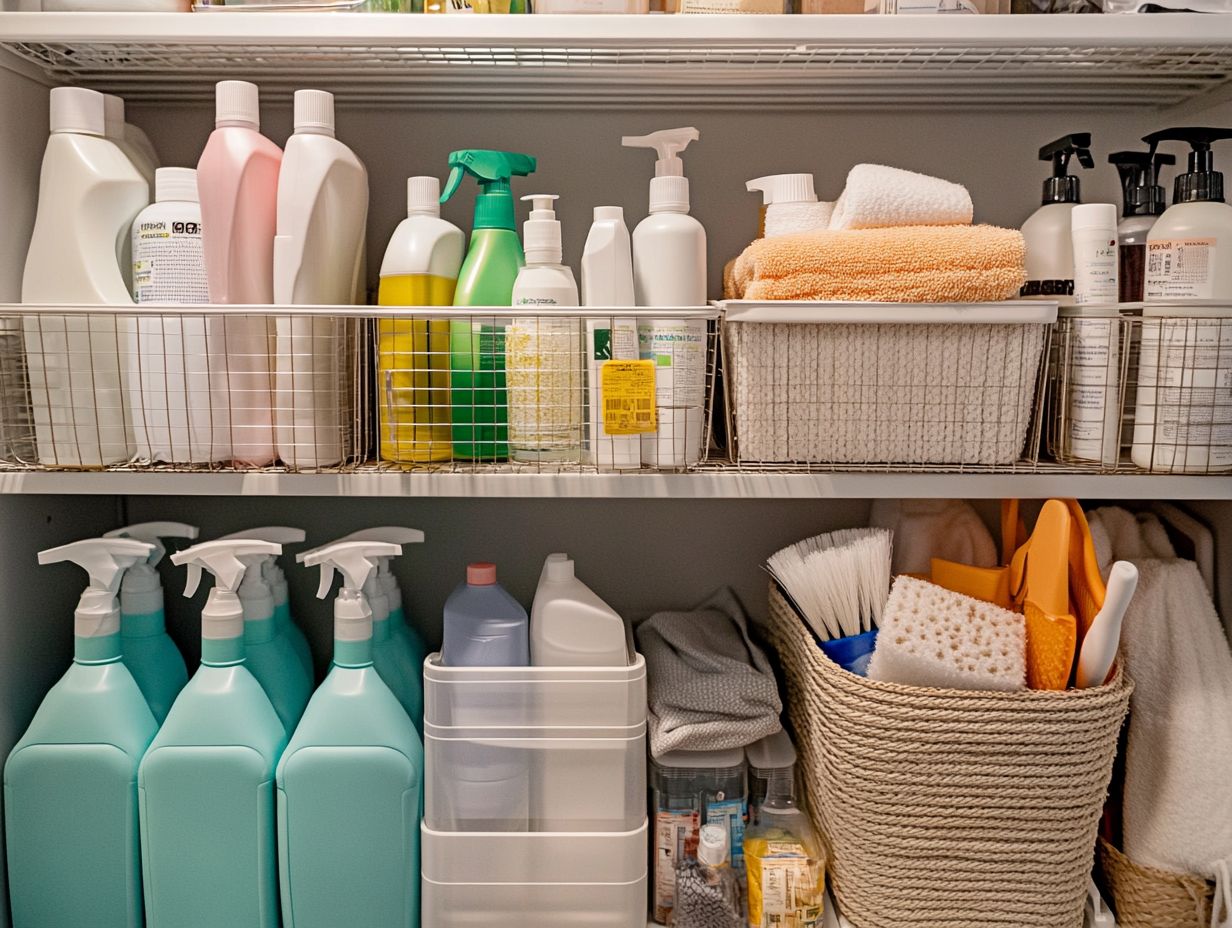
(318, 260)
(570, 626)
(1047, 232)
(791, 204)
(130, 140)
(89, 193)
(669, 270)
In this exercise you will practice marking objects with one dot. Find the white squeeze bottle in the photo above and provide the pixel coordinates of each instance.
(318, 260)
(89, 193)
(570, 626)
(237, 178)
(669, 270)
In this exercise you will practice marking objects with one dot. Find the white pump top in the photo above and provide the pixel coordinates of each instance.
(423, 196)
(314, 112)
(669, 190)
(143, 578)
(113, 117)
(105, 560)
(390, 534)
(784, 188)
(270, 580)
(78, 110)
(228, 560)
(237, 103)
(541, 232)
(356, 561)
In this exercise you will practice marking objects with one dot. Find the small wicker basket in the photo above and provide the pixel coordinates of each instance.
(949, 808)
(1144, 897)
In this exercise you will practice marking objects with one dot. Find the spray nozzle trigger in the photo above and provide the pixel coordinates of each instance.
(355, 560)
(152, 532)
(486, 167)
(226, 558)
(1077, 144)
(104, 559)
(668, 144)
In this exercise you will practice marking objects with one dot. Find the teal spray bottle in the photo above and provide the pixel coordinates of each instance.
(70, 790)
(206, 785)
(149, 653)
(349, 782)
(478, 409)
(270, 655)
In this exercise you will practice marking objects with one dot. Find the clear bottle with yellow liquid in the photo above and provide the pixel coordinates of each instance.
(420, 269)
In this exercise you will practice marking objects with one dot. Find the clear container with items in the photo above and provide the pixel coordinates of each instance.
(785, 865)
(772, 759)
(708, 893)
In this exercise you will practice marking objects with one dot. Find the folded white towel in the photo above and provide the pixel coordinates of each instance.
(1178, 791)
(927, 528)
(877, 197)
(794, 218)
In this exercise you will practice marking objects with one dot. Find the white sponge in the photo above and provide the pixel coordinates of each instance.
(931, 636)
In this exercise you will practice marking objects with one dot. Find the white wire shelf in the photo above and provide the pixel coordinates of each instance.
(778, 62)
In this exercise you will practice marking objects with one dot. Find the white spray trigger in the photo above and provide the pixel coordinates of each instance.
(104, 559)
(668, 144)
(226, 558)
(278, 534)
(152, 532)
(355, 560)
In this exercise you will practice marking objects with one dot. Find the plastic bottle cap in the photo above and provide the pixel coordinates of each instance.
(481, 574)
(784, 188)
(559, 569)
(609, 213)
(669, 195)
(237, 103)
(314, 112)
(1101, 216)
(712, 845)
(113, 116)
(423, 195)
(76, 109)
(179, 184)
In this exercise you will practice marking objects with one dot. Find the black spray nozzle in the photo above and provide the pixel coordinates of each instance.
(1139, 172)
(1201, 182)
(1062, 187)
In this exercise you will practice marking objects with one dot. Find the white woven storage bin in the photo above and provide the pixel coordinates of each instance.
(858, 383)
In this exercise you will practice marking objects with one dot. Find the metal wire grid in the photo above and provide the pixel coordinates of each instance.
(884, 397)
(775, 73)
(1141, 394)
(183, 390)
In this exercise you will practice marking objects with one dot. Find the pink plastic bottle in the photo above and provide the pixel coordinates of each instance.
(237, 177)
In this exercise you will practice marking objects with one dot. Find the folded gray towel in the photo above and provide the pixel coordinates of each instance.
(710, 688)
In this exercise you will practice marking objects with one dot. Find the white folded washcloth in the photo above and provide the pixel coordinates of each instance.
(877, 197)
(794, 218)
(927, 528)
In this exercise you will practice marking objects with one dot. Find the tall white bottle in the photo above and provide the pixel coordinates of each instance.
(318, 259)
(89, 193)
(669, 270)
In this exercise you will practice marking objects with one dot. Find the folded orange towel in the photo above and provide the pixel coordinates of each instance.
(904, 264)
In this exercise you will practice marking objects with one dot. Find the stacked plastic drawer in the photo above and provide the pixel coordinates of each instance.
(535, 796)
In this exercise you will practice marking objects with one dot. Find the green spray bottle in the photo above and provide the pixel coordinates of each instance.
(477, 347)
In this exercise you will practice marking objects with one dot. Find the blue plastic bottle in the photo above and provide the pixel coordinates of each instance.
(70, 784)
(206, 785)
(349, 783)
(484, 625)
(149, 653)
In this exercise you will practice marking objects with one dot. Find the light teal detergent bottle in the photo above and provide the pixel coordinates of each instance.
(149, 653)
(273, 574)
(478, 398)
(349, 783)
(206, 785)
(70, 784)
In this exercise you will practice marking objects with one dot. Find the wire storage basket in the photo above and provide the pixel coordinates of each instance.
(183, 388)
(928, 386)
(1142, 389)
(946, 808)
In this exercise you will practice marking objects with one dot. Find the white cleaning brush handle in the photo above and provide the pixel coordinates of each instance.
(1099, 648)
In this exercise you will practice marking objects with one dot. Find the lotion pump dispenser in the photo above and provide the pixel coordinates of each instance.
(1050, 256)
(1144, 201)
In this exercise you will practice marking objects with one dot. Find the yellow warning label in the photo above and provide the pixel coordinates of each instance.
(628, 389)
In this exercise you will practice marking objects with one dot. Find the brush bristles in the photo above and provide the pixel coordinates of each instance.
(839, 581)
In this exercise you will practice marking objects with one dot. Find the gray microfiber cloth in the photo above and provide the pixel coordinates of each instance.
(710, 688)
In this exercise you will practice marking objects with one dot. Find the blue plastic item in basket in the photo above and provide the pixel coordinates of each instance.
(853, 652)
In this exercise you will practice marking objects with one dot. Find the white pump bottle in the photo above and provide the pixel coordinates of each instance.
(791, 204)
(544, 281)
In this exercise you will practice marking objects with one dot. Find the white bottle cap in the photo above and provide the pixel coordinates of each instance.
(113, 116)
(178, 184)
(541, 232)
(784, 188)
(1094, 216)
(609, 214)
(558, 569)
(76, 109)
(314, 112)
(423, 196)
(237, 103)
(669, 195)
(712, 845)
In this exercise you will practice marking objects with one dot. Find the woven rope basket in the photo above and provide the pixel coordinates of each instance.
(949, 808)
(1144, 897)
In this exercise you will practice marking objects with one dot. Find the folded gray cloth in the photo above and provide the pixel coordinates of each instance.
(710, 688)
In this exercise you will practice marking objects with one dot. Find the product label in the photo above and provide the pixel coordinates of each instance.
(929, 6)
(628, 389)
(1181, 268)
(675, 840)
(678, 350)
(1094, 394)
(545, 376)
(731, 814)
(789, 894)
(1047, 288)
(168, 262)
(1095, 272)
(731, 6)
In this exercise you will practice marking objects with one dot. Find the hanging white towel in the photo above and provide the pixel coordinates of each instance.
(877, 197)
(1178, 791)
